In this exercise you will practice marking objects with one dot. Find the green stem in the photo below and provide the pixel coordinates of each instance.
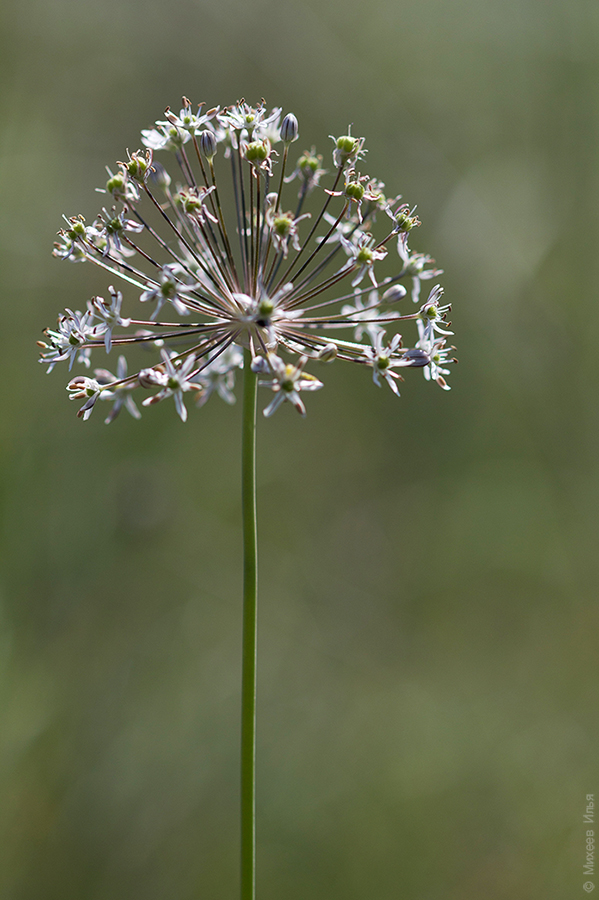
(250, 620)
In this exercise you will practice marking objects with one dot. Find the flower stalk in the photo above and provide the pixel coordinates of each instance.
(250, 633)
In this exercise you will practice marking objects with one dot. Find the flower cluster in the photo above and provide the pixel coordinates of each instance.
(228, 271)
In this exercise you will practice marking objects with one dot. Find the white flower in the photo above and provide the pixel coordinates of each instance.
(110, 312)
(432, 317)
(188, 121)
(244, 118)
(120, 394)
(238, 272)
(439, 356)
(219, 376)
(365, 316)
(363, 253)
(75, 329)
(383, 361)
(414, 265)
(193, 203)
(89, 388)
(283, 226)
(111, 226)
(168, 289)
(176, 383)
(287, 382)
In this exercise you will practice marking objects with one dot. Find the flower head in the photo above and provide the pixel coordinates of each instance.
(281, 278)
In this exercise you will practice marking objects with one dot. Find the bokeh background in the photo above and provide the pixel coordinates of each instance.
(429, 566)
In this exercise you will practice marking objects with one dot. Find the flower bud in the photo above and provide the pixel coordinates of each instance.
(208, 144)
(416, 357)
(289, 129)
(259, 365)
(394, 293)
(328, 353)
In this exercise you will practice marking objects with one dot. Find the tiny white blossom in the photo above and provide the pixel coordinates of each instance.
(82, 387)
(219, 376)
(176, 383)
(439, 356)
(432, 317)
(110, 312)
(383, 362)
(414, 265)
(287, 382)
(120, 394)
(188, 120)
(168, 289)
(363, 253)
(75, 329)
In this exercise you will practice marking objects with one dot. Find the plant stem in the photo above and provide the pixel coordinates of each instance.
(250, 621)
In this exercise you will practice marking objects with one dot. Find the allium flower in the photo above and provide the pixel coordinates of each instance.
(219, 376)
(414, 264)
(287, 381)
(224, 250)
(236, 271)
(110, 312)
(175, 381)
(119, 390)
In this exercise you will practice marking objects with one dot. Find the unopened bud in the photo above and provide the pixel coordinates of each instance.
(394, 293)
(416, 357)
(208, 144)
(328, 353)
(289, 129)
(259, 365)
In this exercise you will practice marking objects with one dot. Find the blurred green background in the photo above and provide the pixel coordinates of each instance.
(429, 566)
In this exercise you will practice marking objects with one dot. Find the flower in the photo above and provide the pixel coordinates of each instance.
(71, 339)
(176, 381)
(438, 356)
(111, 313)
(118, 389)
(363, 253)
(414, 265)
(366, 316)
(431, 317)
(219, 375)
(384, 359)
(82, 387)
(287, 381)
(259, 281)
